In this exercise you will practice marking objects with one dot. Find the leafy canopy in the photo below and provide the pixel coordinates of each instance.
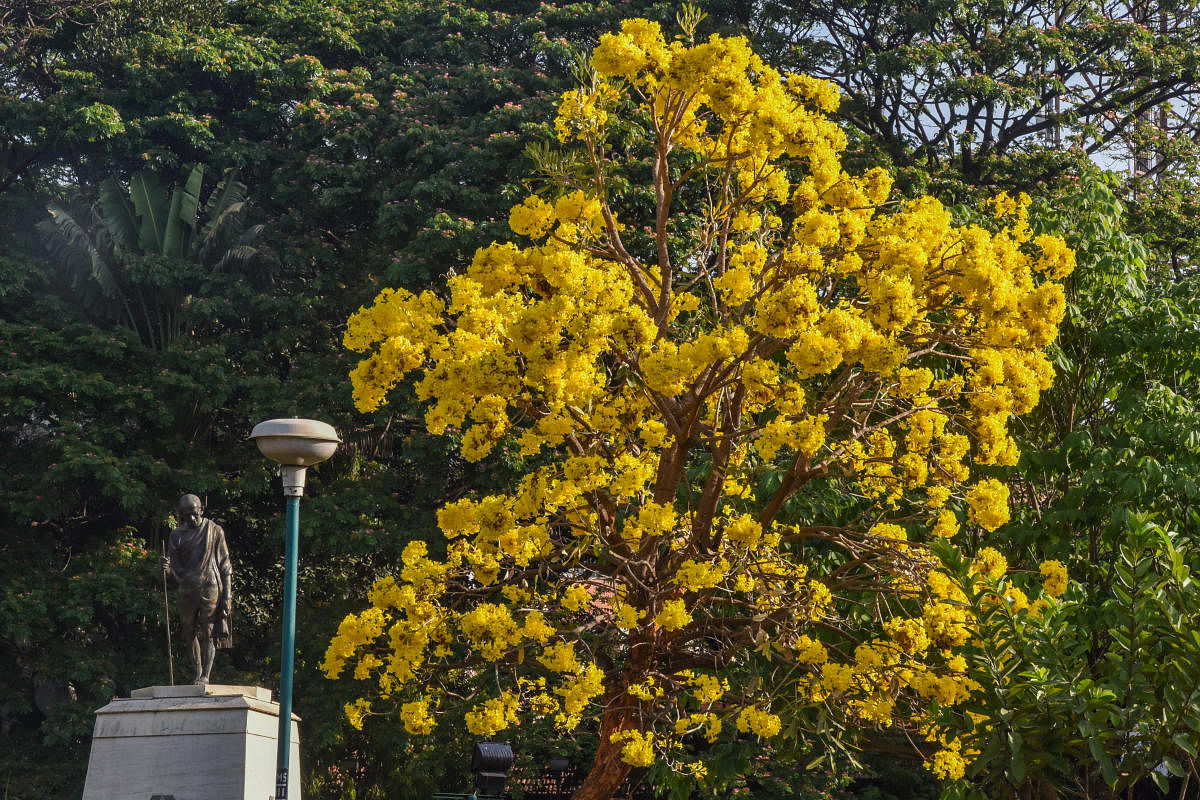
(681, 362)
(137, 254)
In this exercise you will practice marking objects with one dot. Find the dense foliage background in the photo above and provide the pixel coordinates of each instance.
(379, 143)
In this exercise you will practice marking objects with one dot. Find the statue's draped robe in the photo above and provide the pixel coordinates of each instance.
(200, 560)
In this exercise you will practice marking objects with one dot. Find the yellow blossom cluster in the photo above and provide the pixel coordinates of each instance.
(357, 711)
(759, 722)
(576, 598)
(416, 717)
(881, 670)
(674, 615)
(676, 387)
(948, 762)
(708, 689)
(493, 715)
(959, 734)
(1055, 578)
(637, 747)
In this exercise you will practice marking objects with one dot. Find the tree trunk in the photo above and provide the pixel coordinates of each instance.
(608, 770)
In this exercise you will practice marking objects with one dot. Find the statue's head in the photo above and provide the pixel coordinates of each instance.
(190, 510)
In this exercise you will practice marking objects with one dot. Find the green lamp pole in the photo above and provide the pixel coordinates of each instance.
(295, 444)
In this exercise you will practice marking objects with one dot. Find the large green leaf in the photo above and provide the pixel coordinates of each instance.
(152, 205)
(181, 219)
(95, 280)
(117, 213)
(73, 246)
(174, 237)
(236, 258)
(223, 232)
(230, 191)
(222, 229)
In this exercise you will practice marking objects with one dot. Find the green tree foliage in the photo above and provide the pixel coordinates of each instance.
(967, 98)
(973, 85)
(1085, 699)
(1117, 432)
(1047, 727)
(369, 133)
(141, 251)
(366, 133)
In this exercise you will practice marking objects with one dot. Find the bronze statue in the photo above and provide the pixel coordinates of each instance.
(198, 558)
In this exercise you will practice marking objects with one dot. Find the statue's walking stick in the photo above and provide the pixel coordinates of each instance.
(167, 620)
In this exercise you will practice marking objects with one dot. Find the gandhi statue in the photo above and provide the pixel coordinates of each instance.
(198, 559)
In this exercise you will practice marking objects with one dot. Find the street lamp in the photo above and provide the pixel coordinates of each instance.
(295, 444)
(490, 763)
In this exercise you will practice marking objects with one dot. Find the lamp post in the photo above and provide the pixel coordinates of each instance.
(295, 444)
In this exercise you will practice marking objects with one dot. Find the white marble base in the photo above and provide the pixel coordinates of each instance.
(189, 743)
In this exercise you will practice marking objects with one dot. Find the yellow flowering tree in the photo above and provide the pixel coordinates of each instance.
(680, 365)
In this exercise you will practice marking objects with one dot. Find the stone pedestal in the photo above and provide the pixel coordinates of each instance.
(189, 743)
